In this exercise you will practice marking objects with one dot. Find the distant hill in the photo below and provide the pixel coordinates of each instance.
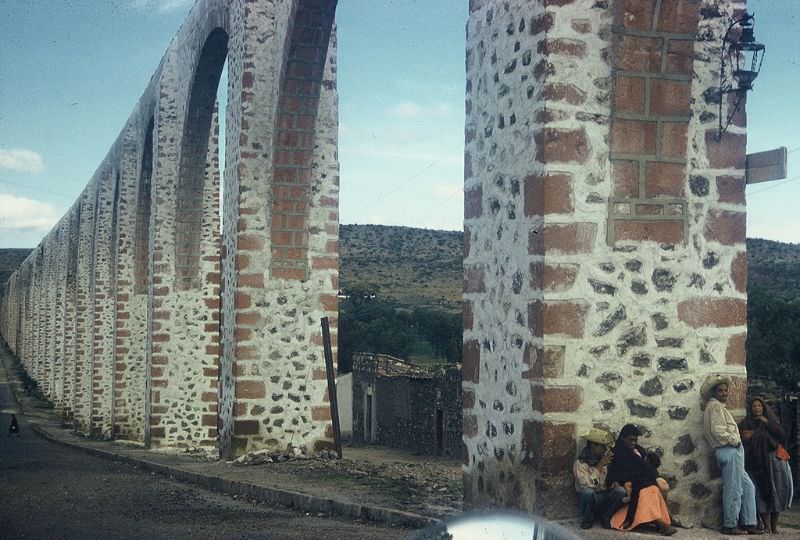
(10, 259)
(416, 267)
(773, 312)
(773, 267)
(422, 267)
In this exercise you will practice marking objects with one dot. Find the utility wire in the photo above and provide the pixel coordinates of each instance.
(774, 185)
(405, 182)
(36, 189)
(438, 206)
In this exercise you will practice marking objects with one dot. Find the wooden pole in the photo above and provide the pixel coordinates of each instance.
(326, 343)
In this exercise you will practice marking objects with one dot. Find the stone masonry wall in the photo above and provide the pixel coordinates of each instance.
(117, 314)
(280, 273)
(604, 241)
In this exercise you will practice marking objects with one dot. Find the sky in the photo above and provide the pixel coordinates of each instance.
(71, 72)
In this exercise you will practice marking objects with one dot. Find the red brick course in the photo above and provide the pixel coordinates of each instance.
(735, 353)
(565, 317)
(663, 232)
(570, 237)
(714, 312)
(727, 228)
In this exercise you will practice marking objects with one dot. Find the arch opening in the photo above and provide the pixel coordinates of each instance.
(194, 159)
(143, 206)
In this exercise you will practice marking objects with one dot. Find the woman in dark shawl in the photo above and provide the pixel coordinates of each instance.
(766, 461)
(647, 504)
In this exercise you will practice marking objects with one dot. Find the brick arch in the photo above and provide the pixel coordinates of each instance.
(281, 234)
(194, 157)
(183, 259)
(298, 105)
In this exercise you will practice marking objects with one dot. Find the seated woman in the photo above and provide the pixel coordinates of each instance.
(767, 462)
(646, 504)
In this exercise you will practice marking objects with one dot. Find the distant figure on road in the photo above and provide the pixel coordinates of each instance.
(13, 429)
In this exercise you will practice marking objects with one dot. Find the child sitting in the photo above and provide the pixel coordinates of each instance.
(653, 459)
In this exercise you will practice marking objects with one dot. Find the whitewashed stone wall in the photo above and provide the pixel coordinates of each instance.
(117, 314)
(604, 241)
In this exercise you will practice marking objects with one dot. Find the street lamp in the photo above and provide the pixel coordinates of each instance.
(743, 55)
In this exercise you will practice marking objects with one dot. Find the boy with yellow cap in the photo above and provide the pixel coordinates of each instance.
(590, 469)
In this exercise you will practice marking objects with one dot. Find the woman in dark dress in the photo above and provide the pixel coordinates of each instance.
(647, 504)
(766, 461)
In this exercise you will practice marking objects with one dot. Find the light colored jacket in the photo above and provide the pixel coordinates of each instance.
(719, 426)
(588, 477)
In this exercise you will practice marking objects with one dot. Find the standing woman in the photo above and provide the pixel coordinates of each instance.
(767, 462)
(647, 504)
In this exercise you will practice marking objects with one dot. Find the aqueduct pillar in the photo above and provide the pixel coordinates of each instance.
(604, 241)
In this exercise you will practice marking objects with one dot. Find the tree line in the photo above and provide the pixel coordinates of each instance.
(379, 325)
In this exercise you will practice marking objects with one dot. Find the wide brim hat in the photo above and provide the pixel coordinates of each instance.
(711, 382)
(599, 436)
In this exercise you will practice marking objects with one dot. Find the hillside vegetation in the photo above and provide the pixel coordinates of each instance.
(773, 312)
(415, 267)
(10, 259)
(403, 288)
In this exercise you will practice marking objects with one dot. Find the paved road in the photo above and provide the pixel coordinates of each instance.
(51, 491)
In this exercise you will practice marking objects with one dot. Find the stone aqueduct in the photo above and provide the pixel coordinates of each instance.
(604, 250)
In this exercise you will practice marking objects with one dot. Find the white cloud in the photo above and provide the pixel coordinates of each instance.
(406, 109)
(18, 213)
(21, 160)
(160, 5)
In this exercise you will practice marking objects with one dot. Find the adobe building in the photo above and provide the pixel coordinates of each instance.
(399, 404)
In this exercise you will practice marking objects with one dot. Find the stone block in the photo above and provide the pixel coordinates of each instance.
(565, 318)
(669, 97)
(640, 54)
(726, 227)
(739, 271)
(562, 145)
(678, 16)
(633, 137)
(638, 14)
(730, 189)
(664, 179)
(548, 194)
(735, 353)
(625, 175)
(713, 312)
(663, 232)
(549, 446)
(561, 399)
(674, 139)
(569, 237)
(471, 361)
(629, 94)
(559, 277)
(729, 153)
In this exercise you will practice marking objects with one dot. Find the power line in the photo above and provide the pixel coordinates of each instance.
(774, 185)
(405, 182)
(37, 189)
(438, 206)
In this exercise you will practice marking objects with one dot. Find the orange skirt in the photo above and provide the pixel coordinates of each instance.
(651, 507)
